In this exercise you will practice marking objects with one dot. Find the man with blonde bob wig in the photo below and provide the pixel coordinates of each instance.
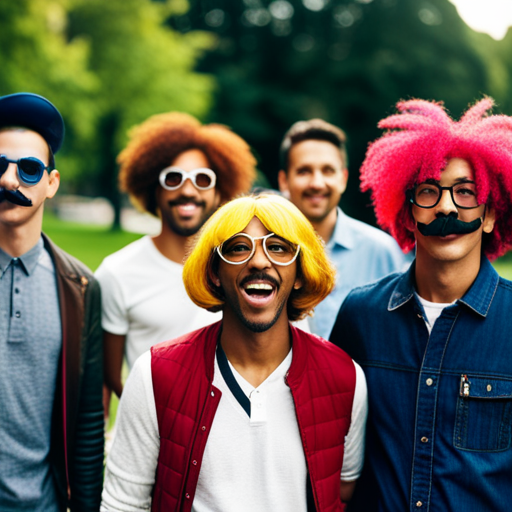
(250, 413)
(435, 341)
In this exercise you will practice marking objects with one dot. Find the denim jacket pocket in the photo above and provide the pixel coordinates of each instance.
(483, 420)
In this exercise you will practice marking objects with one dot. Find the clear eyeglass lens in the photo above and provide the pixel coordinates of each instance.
(279, 250)
(464, 194)
(237, 249)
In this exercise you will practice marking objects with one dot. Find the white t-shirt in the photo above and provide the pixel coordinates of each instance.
(250, 463)
(144, 298)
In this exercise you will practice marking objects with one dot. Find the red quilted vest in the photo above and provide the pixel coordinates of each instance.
(322, 381)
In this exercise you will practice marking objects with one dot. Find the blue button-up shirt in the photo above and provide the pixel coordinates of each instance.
(361, 254)
(439, 433)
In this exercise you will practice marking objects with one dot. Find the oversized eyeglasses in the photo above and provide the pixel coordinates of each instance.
(240, 248)
(172, 178)
(428, 195)
(30, 170)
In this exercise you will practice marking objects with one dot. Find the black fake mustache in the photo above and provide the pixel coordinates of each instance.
(15, 197)
(449, 225)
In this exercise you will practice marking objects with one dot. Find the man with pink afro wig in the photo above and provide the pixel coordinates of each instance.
(434, 341)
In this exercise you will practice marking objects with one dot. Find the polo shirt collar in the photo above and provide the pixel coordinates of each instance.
(28, 261)
(478, 298)
(342, 234)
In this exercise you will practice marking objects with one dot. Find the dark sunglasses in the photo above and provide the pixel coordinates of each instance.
(30, 169)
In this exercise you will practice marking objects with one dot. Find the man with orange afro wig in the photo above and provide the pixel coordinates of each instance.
(435, 341)
(181, 171)
(250, 413)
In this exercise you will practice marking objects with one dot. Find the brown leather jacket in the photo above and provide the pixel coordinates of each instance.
(78, 426)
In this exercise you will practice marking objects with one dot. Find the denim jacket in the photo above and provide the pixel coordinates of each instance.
(440, 422)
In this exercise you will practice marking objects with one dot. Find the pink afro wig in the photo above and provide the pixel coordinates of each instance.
(420, 140)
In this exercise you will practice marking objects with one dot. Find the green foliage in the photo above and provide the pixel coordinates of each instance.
(106, 66)
(36, 56)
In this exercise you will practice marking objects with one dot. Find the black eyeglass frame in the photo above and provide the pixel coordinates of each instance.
(22, 174)
(412, 192)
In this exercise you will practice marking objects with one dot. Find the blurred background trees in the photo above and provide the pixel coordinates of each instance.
(255, 65)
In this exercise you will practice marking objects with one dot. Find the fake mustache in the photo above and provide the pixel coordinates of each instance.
(15, 197)
(449, 225)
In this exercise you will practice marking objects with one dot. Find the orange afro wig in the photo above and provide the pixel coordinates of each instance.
(156, 143)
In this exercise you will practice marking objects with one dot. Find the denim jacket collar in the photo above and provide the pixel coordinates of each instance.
(478, 298)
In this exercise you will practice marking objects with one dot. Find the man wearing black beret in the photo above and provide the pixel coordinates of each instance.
(51, 421)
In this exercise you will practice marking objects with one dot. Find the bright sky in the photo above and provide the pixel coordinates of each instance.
(490, 16)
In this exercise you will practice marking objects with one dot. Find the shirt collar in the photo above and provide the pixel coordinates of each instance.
(404, 289)
(478, 298)
(28, 261)
(342, 234)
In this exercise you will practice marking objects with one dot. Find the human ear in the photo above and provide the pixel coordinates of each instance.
(53, 183)
(344, 179)
(282, 180)
(489, 219)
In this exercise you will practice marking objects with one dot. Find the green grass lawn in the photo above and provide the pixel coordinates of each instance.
(90, 244)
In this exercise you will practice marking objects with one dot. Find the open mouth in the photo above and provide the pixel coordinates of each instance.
(259, 293)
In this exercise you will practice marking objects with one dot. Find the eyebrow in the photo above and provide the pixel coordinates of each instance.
(462, 179)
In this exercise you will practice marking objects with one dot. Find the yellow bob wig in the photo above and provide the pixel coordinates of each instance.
(279, 216)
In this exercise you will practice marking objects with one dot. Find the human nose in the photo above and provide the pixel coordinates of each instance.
(446, 204)
(9, 179)
(188, 188)
(317, 179)
(259, 259)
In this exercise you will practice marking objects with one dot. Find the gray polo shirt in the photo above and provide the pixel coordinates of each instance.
(30, 346)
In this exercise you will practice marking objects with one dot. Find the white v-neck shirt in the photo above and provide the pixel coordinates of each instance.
(250, 463)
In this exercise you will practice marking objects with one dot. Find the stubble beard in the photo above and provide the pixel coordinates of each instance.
(256, 327)
(186, 231)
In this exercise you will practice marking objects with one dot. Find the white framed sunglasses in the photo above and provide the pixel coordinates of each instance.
(240, 248)
(172, 178)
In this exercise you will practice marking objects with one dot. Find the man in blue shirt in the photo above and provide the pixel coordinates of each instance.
(314, 176)
(51, 419)
(435, 341)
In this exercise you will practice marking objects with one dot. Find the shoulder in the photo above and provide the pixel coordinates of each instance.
(319, 348)
(370, 235)
(374, 294)
(130, 254)
(186, 345)
(67, 263)
(505, 284)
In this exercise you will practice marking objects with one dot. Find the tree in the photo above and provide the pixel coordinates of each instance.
(143, 68)
(36, 57)
(106, 66)
(347, 61)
